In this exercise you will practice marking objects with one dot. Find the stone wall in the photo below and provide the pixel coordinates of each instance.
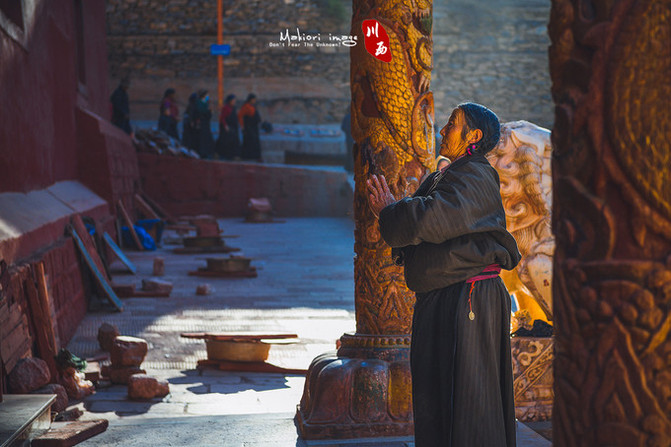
(187, 187)
(494, 52)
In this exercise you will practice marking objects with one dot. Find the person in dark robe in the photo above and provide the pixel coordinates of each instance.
(189, 125)
(203, 117)
(121, 106)
(228, 143)
(451, 238)
(169, 114)
(249, 119)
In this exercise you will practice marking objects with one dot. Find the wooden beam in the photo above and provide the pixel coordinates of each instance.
(129, 224)
(249, 336)
(104, 286)
(145, 208)
(38, 300)
(119, 253)
(89, 243)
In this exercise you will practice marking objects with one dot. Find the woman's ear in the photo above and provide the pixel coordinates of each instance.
(474, 136)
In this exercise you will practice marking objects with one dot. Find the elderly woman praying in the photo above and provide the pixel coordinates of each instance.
(451, 238)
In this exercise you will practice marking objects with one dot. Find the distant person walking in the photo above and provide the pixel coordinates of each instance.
(228, 143)
(121, 106)
(249, 119)
(189, 132)
(203, 116)
(169, 114)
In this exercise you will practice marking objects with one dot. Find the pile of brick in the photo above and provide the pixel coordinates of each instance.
(158, 142)
(126, 355)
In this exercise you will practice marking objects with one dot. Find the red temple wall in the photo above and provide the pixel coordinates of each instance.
(59, 156)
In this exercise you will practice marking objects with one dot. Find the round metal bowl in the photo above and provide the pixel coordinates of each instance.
(202, 241)
(237, 351)
(230, 264)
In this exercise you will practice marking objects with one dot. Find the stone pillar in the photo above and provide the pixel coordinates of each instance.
(364, 389)
(610, 66)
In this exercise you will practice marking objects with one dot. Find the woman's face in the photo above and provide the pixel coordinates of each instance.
(453, 145)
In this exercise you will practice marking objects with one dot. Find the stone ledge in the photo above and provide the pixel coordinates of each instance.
(33, 220)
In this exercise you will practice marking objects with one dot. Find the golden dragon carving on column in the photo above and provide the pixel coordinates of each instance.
(392, 125)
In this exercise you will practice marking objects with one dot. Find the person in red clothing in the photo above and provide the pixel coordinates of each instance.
(169, 114)
(250, 119)
(228, 143)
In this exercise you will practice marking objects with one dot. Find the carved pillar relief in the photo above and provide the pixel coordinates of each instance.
(610, 66)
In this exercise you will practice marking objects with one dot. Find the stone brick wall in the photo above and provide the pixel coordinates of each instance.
(494, 52)
(187, 187)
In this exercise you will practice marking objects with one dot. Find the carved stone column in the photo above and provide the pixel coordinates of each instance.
(610, 64)
(364, 389)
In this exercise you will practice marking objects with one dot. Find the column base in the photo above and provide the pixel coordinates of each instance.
(533, 378)
(361, 391)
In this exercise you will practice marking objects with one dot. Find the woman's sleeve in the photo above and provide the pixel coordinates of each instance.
(465, 204)
(225, 111)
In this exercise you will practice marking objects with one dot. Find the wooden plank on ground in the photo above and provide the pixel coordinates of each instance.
(38, 300)
(83, 233)
(119, 253)
(247, 336)
(159, 210)
(100, 245)
(100, 279)
(67, 434)
(129, 224)
(145, 208)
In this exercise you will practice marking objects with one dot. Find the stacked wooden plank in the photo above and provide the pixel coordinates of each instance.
(64, 281)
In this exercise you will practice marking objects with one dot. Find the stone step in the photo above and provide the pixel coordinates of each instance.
(23, 417)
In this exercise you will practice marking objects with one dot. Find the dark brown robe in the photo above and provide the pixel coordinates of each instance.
(448, 232)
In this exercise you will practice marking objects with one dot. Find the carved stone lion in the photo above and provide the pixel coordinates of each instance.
(522, 159)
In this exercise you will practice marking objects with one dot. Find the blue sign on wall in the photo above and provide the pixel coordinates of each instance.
(220, 50)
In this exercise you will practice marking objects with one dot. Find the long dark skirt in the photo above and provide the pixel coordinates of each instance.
(461, 369)
(228, 143)
(251, 144)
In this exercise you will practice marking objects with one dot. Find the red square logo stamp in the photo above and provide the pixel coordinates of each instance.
(376, 40)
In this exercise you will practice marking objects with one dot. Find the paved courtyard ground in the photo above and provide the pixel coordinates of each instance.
(305, 286)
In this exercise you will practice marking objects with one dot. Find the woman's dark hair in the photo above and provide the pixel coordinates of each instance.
(168, 92)
(480, 117)
(229, 98)
(250, 97)
(202, 93)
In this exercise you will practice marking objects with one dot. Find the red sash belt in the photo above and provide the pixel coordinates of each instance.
(489, 272)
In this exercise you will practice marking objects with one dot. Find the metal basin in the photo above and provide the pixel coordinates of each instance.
(237, 351)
